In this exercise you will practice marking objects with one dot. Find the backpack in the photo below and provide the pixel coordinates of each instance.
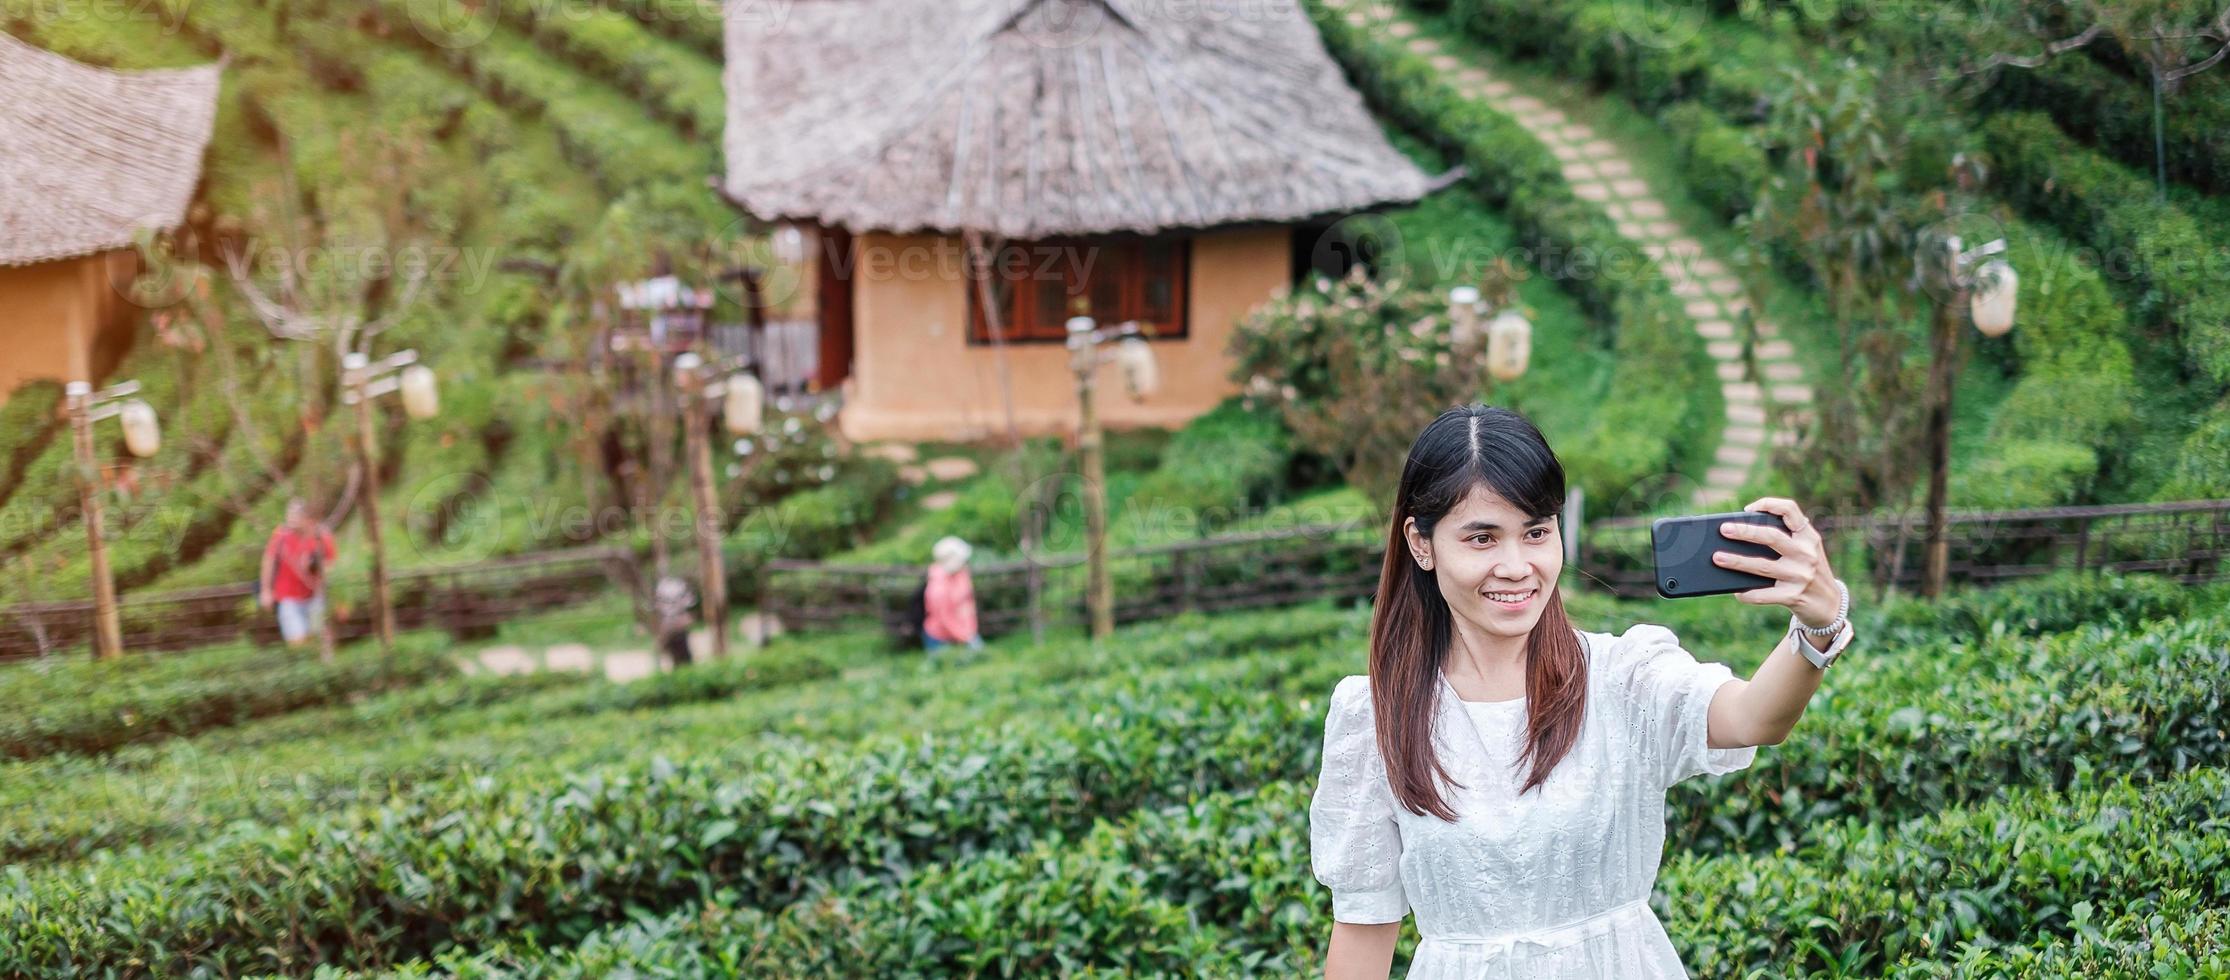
(915, 624)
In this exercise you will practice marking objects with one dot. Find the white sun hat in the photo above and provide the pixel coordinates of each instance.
(950, 552)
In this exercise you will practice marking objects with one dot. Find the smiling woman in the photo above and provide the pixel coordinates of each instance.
(1502, 773)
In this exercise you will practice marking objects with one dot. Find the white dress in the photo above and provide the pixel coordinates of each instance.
(1553, 884)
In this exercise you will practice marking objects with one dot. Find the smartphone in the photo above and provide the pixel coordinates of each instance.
(1682, 549)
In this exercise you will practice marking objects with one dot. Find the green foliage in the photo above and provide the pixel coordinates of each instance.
(1222, 465)
(95, 705)
(1666, 403)
(2159, 257)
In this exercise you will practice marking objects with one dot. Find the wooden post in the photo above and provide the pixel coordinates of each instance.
(1098, 588)
(358, 371)
(108, 632)
(1943, 346)
(712, 575)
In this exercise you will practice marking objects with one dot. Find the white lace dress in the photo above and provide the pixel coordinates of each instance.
(1554, 884)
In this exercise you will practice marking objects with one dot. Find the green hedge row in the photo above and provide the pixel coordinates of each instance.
(1668, 406)
(28, 423)
(1944, 725)
(277, 773)
(2175, 934)
(93, 706)
(1232, 870)
(674, 83)
(2117, 114)
(2170, 266)
(551, 863)
(696, 23)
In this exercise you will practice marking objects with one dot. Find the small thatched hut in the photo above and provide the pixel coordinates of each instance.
(1126, 159)
(88, 156)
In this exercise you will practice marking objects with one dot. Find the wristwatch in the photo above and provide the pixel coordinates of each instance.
(1840, 628)
(1823, 659)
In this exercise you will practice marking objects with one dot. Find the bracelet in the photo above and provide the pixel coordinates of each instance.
(1842, 612)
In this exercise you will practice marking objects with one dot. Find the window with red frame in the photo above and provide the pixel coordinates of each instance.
(1038, 285)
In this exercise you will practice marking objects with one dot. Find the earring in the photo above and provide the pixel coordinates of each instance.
(1424, 563)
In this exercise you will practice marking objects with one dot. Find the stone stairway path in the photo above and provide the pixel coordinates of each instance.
(1713, 298)
(618, 666)
(916, 472)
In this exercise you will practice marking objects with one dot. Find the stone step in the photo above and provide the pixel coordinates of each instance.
(1614, 167)
(1523, 105)
(1647, 209)
(1791, 394)
(941, 500)
(1745, 392)
(1744, 435)
(1357, 18)
(1579, 170)
(1600, 148)
(1591, 191)
(1730, 455)
(1708, 268)
(1473, 76)
(1728, 351)
(951, 467)
(1577, 133)
(1545, 119)
(896, 452)
(1496, 90)
(1712, 498)
(1401, 28)
(1746, 414)
(1713, 329)
(1630, 231)
(1775, 350)
(1682, 286)
(913, 475)
(1445, 62)
(1702, 308)
(1724, 285)
(569, 656)
(1726, 477)
(1630, 188)
(1781, 371)
(1786, 438)
(1425, 45)
(1663, 229)
(1566, 152)
(1729, 370)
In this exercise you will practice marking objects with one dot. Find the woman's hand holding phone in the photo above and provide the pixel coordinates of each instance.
(1801, 577)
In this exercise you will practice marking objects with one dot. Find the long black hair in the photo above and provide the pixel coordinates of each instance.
(1411, 627)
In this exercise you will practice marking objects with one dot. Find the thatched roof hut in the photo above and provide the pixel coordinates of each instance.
(1031, 118)
(90, 155)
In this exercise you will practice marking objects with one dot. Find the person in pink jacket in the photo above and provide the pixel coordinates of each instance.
(950, 601)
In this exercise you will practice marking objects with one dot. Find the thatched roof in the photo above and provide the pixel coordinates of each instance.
(90, 155)
(1029, 118)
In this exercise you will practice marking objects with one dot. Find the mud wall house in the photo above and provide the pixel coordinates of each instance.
(88, 157)
(1127, 160)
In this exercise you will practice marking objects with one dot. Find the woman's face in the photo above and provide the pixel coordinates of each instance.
(1495, 566)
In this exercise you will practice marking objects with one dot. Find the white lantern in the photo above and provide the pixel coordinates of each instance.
(420, 400)
(1139, 370)
(789, 245)
(142, 436)
(1992, 302)
(741, 410)
(1509, 345)
(1463, 308)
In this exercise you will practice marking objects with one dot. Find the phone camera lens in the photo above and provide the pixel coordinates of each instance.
(1672, 583)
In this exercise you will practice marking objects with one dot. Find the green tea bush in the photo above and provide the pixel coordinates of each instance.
(94, 706)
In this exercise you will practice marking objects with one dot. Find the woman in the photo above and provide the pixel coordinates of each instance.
(949, 602)
(1503, 774)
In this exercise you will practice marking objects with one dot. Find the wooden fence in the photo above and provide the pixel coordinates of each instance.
(2188, 541)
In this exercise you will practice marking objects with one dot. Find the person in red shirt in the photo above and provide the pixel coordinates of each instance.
(949, 602)
(293, 579)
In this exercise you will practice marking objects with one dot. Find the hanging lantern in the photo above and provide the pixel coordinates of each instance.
(1992, 303)
(743, 407)
(142, 436)
(420, 399)
(1139, 369)
(1509, 345)
(789, 245)
(1463, 309)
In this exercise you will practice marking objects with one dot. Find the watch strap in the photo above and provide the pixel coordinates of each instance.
(1822, 659)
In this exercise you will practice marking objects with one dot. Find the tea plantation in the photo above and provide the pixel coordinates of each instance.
(2023, 781)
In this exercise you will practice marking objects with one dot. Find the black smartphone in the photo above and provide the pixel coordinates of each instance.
(1682, 548)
